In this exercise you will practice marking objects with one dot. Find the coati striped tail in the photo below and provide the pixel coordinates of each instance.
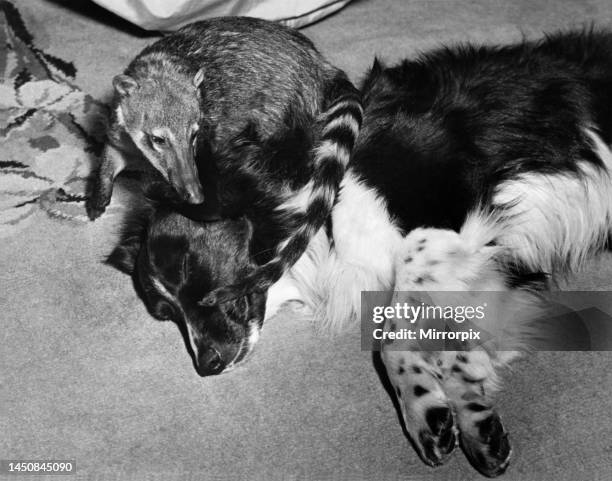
(310, 207)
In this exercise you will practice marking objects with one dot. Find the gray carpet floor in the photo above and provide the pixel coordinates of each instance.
(86, 374)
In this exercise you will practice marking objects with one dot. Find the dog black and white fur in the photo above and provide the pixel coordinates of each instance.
(480, 168)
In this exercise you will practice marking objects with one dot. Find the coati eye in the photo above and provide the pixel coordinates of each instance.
(156, 140)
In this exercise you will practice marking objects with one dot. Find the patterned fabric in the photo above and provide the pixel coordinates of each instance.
(50, 131)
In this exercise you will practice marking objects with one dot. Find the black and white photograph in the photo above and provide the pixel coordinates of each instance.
(306, 240)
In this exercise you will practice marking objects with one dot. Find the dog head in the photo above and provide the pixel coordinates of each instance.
(175, 261)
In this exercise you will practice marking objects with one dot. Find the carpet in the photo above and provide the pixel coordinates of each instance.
(51, 132)
(86, 374)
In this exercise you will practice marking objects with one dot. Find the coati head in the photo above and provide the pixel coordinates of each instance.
(160, 110)
(173, 261)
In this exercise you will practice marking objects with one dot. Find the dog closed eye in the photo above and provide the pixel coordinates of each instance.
(185, 268)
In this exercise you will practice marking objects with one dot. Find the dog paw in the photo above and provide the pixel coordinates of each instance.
(486, 446)
(438, 441)
(425, 408)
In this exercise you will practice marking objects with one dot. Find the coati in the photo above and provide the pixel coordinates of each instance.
(234, 84)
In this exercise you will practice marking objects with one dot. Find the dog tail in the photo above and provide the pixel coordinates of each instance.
(309, 209)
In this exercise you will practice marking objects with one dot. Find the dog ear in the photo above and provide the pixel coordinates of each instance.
(124, 255)
(161, 310)
(374, 76)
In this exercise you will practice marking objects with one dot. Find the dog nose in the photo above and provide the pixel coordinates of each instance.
(209, 362)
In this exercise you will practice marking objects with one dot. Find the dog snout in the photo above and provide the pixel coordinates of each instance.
(209, 362)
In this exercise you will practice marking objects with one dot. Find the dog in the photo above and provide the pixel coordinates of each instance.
(477, 168)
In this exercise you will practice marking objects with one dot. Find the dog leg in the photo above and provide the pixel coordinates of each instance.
(443, 260)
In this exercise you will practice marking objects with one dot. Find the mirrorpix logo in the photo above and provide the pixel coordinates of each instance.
(450, 323)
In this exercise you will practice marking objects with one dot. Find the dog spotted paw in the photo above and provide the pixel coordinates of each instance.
(486, 445)
(425, 408)
(438, 441)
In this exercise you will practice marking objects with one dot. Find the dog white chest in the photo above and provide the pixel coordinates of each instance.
(363, 231)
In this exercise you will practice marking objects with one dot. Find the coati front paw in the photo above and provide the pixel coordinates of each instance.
(99, 197)
(95, 209)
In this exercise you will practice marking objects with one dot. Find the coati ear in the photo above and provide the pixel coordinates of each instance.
(124, 85)
(124, 256)
(199, 77)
